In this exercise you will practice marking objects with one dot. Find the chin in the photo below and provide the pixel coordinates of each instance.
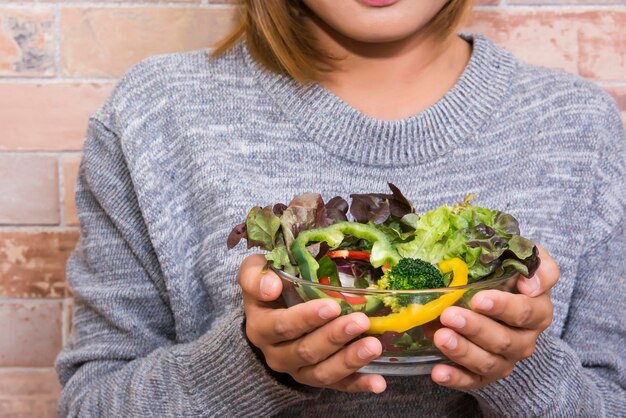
(354, 20)
(380, 34)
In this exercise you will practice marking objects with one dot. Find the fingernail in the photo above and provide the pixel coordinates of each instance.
(485, 304)
(533, 285)
(365, 352)
(379, 385)
(353, 328)
(444, 378)
(268, 283)
(327, 312)
(457, 321)
(451, 343)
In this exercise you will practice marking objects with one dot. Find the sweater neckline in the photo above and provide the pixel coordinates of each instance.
(350, 134)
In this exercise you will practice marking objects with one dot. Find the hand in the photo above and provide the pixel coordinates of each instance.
(486, 350)
(307, 340)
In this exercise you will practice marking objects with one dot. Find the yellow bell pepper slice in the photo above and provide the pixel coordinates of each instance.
(415, 314)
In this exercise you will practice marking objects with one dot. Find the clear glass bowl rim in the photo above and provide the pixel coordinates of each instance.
(355, 290)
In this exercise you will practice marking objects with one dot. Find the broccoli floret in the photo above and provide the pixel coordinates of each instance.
(410, 274)
(413, 273)
(395, 303)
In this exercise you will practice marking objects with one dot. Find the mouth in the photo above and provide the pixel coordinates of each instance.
(378, 3)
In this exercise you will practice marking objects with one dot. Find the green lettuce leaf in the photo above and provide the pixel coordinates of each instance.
(521, 247)
(429, 229)
(280, 258)
(487, 240)
(261, 228)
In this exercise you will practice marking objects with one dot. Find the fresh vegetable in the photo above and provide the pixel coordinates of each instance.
(382, 250)
(414, 314)
(379, 208)
(352, 300)
(487, 240)
(274, 228)
(361, 272)
(412, 273)
(355, 255)
(387, 245)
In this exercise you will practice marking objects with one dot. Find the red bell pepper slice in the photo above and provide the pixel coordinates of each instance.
(352, 300)
(353, 254)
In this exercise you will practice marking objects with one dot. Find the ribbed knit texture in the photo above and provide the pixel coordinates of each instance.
(186, 145)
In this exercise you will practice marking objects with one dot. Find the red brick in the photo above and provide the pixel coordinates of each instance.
(31, 333)
(62, 113)
(106, 41)
(540, 38)
(29, 190)
(602, 42)
(29, 393)
(587, 43)
(70, 171)
(111, 1)
(32, 264)
(26, 42)
(569, 2)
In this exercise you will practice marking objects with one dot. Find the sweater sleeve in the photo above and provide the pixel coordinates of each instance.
(582, 372)
(124, 359)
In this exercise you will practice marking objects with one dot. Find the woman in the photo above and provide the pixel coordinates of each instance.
(341, 97)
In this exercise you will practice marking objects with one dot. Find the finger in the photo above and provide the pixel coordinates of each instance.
(273, 326)
(342, 364)
(467, 354)
(488, 334)
(544, 278)
(256, 283)
(456, 378)
(321, 343)
(518, 311)
(361, 383)
(431, 327)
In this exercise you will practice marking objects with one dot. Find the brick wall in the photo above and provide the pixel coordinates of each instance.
(58, 61)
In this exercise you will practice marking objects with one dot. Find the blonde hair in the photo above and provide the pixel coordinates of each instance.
(277, 38)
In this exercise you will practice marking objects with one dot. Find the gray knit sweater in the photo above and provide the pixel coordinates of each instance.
(186, 145)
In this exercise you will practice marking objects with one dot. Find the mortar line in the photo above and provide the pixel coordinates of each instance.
(128, 4)
(32, 301)
(61, 80)
(551, 7)
(57, 40)
(38, 153)
(20, 228)
(61, 187)
(26, 369)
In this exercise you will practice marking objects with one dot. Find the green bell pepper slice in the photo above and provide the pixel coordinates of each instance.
(382, 250)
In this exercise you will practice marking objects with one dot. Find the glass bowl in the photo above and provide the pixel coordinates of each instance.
(406, 336)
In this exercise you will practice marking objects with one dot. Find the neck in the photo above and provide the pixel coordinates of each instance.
(390, 80)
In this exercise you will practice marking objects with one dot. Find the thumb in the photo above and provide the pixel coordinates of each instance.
(544, 278)
(257, 281)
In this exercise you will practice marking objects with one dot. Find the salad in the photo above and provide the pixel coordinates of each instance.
(379, 248)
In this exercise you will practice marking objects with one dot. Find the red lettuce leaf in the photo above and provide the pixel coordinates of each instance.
(379, 207)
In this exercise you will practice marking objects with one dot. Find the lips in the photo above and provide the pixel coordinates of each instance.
(378, 3)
